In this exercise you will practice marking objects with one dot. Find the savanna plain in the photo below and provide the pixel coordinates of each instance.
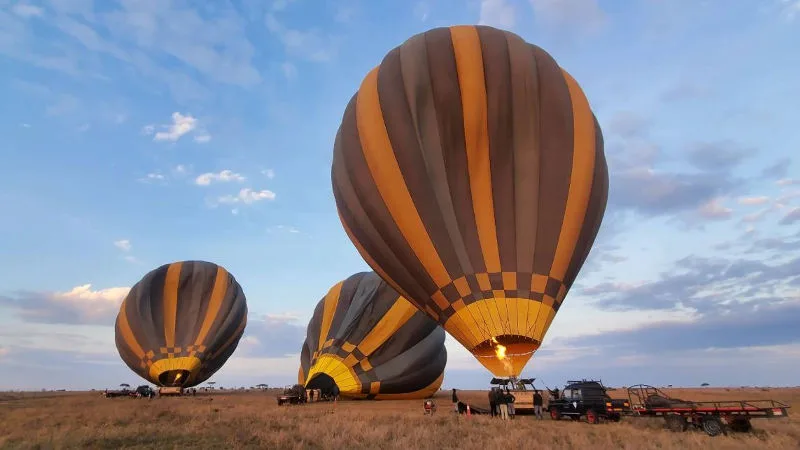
(252, 419)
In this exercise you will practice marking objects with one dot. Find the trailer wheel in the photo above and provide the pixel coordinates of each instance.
(741, 425)
(675, 422)
(554, 414)
(592, 417)
(712, 425)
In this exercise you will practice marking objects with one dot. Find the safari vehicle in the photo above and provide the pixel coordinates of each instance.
(292, 395)
(522, 389)
(587, 398)
(124, 392)
(144, 391)
(713, 417)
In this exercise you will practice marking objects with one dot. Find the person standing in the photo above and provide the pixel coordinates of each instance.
(335, 393)
(537, 404)
(510, 399)
(502, 404)
(492, 402)
(455, 401)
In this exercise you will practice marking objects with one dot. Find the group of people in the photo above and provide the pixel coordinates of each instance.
(501, 403)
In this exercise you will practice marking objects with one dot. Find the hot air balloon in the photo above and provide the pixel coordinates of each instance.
(372, 343)
(469, 172)
(180, 323)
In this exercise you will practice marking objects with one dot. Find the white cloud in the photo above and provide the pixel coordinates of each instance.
(4, 351)
(714, 209)
(269, 173)
(180, 126)
(497, 13)
(123, 244)
(26, 11)
(282, 317)
(247, 196)
(223, 177)
(80, 304)
(751, 201)
(152, 177)
(25, 125)
(787, 182)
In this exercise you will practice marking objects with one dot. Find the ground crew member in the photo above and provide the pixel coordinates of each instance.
(537, 404)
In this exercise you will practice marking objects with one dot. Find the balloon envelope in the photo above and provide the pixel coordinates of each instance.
(469, 172)
(372, 343)
(180, 323)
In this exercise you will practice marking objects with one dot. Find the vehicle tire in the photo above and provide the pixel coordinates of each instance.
(615, 417)
(741, 425)
(592, 417)
(713, 426)
(554, 414)
(675, 422)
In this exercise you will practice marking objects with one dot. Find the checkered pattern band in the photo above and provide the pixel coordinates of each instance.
(471, 288)
(171, 352)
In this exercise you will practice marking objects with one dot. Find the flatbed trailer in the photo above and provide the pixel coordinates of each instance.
(713, 417)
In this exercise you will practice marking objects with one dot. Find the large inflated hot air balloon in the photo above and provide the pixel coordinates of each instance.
(372, 343)
(469, 172)
(181, 322)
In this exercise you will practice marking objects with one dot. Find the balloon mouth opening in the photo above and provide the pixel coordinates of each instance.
(505, 346)
(323, 382)
(174, 378)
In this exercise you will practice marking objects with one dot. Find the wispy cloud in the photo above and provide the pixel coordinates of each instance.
(180, 126)
(222, 177)
(123, 244)
(79, 305)
(247, 196)
(26, 10)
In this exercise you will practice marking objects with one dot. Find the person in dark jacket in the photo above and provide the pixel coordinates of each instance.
(455, 401)
(537, 404)
(502, 404)
(492, 402)
(510, 399)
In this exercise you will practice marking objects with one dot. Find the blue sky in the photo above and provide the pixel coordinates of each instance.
(138, 133)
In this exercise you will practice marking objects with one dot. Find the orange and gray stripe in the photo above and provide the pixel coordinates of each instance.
(381, 339)
(469, 166)
(182, 309)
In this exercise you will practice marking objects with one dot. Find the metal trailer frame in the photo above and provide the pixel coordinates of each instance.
(713, 417)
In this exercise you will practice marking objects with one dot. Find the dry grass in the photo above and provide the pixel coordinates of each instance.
(253, 420)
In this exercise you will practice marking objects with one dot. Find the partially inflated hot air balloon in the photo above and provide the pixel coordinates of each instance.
(181, 322)
(372, 343)
(469, 172)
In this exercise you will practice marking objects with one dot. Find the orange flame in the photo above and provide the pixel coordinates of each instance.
(500, 352)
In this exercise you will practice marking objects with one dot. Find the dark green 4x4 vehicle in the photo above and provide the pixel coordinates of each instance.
(586, 398)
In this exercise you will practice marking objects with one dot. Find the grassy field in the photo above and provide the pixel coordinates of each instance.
(253, 420)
